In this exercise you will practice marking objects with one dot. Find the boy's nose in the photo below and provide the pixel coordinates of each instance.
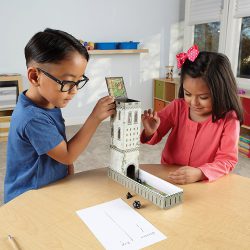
(73, 90)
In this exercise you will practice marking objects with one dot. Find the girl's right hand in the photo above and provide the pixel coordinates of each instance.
(104, 108)
(150, 121)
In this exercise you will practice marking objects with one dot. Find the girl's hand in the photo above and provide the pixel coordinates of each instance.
(185, 175)
(150, 121)
(104, 108)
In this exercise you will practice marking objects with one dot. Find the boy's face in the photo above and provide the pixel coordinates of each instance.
(197, 95)
(48, 91)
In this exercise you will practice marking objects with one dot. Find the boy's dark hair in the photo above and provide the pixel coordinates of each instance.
(215, 70)
(52, 46)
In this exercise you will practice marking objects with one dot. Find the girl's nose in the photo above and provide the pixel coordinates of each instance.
(195, 101)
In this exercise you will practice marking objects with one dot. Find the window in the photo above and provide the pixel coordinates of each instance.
(136, 117)
(207, 35)
(119, 115)
(112, 131)
(119, 133)
(203, 21)
(129, 118)
(243, 69)
(223, 26)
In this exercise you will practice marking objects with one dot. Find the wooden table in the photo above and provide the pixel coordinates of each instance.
(213, 215)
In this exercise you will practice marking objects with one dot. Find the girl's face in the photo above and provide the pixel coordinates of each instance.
(198, 96)
(71, 69)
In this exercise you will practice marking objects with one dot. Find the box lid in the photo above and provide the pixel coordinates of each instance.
(116, 87)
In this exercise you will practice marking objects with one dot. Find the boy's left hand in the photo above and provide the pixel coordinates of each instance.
(71, 169)
(185, 175)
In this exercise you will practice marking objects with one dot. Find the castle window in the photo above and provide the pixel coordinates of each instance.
(112, 131)
(119, 115)
(136, 117)
(129, 117)
(119, 133)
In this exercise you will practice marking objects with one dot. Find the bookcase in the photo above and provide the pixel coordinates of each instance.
(244, 142)
(10, 87)
(164, 91)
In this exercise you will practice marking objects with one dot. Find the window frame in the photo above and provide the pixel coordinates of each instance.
(229, 41)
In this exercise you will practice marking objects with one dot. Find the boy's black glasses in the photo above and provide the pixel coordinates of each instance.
(67, 85)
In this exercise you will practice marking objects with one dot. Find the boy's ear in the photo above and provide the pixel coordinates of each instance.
(33, 76)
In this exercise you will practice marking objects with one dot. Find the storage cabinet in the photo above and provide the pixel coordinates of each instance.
(10, 87)
(244, 142)
(165, 91)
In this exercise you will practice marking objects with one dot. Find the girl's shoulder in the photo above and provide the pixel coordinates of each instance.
(231, 115)
(175, 109)
(179, 104)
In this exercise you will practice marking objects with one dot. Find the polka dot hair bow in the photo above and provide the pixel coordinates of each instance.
(191, 55)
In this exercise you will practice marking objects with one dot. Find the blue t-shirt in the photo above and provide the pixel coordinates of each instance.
(33, 132)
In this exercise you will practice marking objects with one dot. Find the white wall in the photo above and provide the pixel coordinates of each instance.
(149, 22)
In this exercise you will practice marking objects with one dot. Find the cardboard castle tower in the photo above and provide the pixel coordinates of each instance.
(124, 147)
(125, 133)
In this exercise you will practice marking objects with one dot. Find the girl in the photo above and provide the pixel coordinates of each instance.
(56, 62)
(204, 121)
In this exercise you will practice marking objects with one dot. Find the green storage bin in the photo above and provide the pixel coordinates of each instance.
(159, 89)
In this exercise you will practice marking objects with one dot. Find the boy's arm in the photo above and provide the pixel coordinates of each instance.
(71, 169)
(67, 153)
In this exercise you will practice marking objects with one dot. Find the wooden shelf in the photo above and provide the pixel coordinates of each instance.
(117, 51)
(247, 95)
(6, 107)
(164, 91)
(244, 126)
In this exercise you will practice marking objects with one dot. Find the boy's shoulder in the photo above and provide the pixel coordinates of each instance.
(26, 111)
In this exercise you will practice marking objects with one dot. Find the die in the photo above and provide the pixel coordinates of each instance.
(137, 204)
(129, 195)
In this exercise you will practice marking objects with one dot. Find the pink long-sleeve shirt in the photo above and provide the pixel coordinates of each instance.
(210, 146)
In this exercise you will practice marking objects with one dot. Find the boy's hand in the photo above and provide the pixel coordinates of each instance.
(71, 169)
(104, 108)
(150, 121)
(185, 175)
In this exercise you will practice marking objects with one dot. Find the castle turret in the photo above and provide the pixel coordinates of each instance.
(125, 134)
(125, 130)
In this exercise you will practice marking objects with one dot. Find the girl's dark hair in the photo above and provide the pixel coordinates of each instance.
(215, 70)
(52, 46)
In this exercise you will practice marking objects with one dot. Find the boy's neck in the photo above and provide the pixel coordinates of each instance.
(36, 98)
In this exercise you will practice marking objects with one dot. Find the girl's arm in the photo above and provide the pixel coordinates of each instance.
(160, 123)
(225, 159)
(67, 153)
(227, 155)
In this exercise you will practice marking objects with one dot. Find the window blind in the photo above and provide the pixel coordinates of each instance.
(242, 8)
(204, 11)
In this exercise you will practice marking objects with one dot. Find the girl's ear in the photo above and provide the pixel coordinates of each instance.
(33, 76)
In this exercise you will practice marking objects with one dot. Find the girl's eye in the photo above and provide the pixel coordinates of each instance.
(187, 94)
(204, 97)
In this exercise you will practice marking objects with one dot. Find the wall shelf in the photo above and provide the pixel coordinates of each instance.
(117, 51)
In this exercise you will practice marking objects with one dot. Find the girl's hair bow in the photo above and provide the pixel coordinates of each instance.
(191, 55)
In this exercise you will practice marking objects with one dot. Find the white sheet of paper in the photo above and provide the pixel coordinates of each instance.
(158, 183)
(118, 226)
